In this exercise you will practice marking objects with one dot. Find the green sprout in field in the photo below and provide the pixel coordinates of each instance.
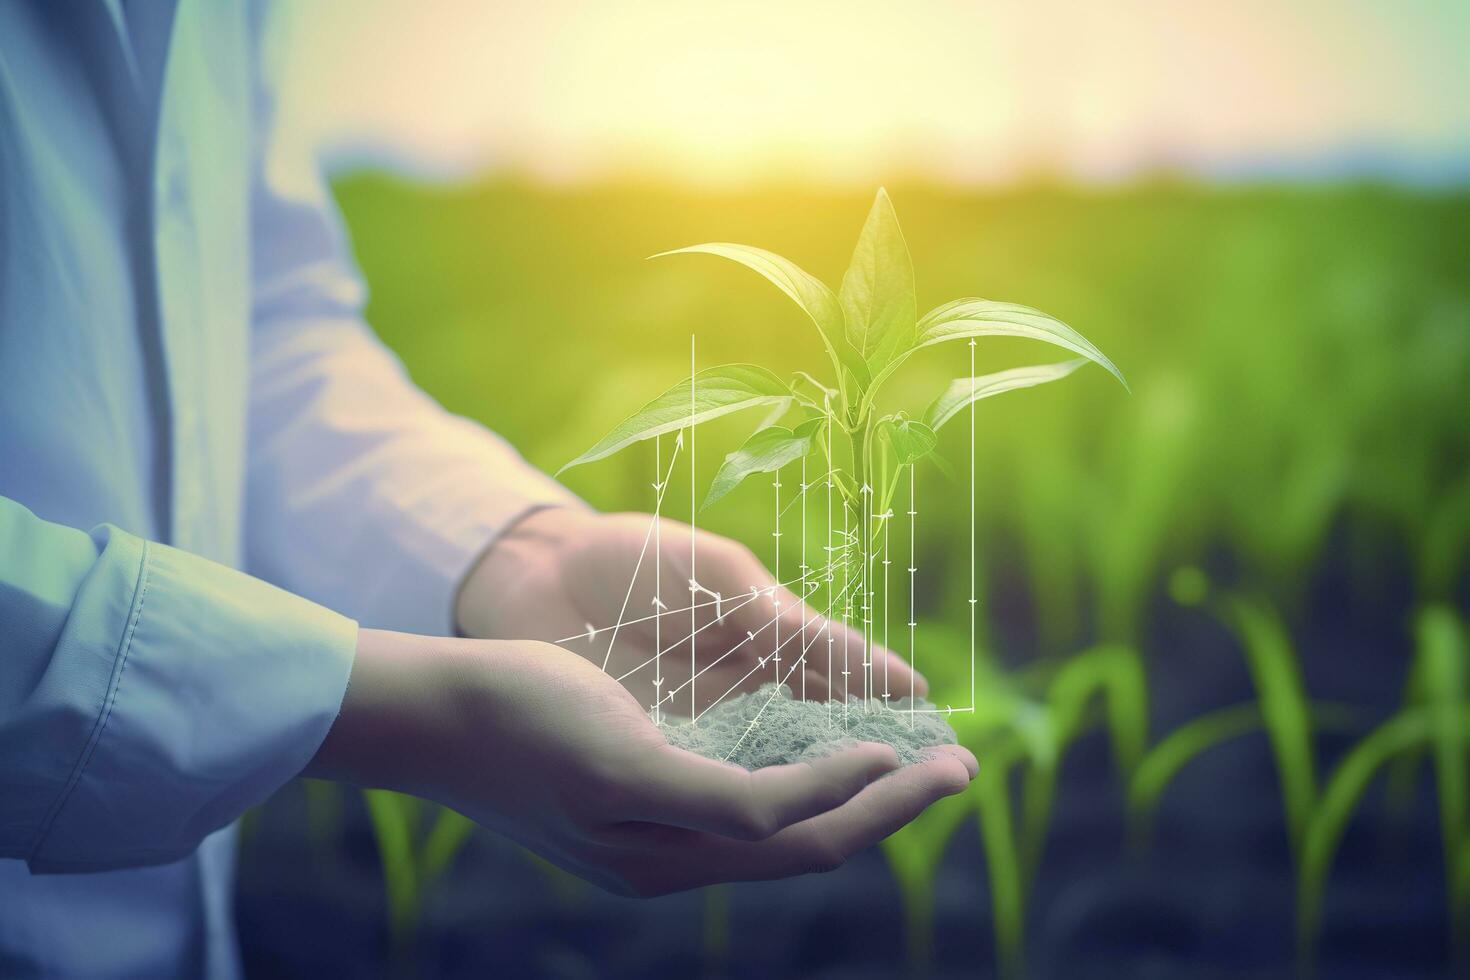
(869, 328)
(1434, 722)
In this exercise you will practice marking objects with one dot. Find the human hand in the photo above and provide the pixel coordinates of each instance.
(538, 744)
(569, 576)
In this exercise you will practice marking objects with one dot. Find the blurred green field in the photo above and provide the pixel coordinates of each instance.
(1298, 358)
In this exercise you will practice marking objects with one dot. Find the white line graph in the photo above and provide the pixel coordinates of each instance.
(749, 637)
(851, 587)
(775, 594)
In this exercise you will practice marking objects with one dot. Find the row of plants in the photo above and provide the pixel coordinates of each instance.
(1026, 722)
(1129, 519)
(1297, 359)
(1030, 720)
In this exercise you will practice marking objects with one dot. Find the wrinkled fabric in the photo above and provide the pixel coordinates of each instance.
(209, 469)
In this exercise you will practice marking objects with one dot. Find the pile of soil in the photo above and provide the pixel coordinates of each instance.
(787, 729)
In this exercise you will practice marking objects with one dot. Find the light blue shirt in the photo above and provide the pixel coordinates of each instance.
(209, 468)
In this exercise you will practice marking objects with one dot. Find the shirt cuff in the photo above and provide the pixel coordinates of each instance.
(220, 688)
(455, 515)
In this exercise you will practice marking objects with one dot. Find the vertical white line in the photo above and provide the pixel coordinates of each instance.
(867, 608)
(658, 551)
(846, 612)
(913, 511)
(886, 563)
(804, 572)
(831, 557)
(973, 599)
(693, 577)
(775, 592)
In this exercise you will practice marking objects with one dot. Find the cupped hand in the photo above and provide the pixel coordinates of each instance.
(536, 743)
(588, 582)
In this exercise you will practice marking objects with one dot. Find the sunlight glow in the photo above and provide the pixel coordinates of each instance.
(721, 91)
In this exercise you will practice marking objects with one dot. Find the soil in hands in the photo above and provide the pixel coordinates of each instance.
(786, 729)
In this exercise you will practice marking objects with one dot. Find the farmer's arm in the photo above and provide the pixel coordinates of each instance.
(367, 496)
(535, 742)
(363, 493)
(147, 696)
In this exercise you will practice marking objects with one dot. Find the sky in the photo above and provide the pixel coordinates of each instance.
(714, 91)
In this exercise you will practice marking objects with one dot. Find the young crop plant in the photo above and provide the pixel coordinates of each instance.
(869, 327)
(1434, 722)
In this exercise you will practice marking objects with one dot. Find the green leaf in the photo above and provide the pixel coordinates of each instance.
(1184, 744)
(963, 391)
(1284, 708)
(1401, 733)
(1112, 674)
(717, 391)
(804, 289)
(1177, 749)
(1446, 674)
(911, 440)
(450, 831)
(1003, 859)
(915, 854)
(969, 318)
(877, 292)
(964, 318)
(392, 817)
(764, 452)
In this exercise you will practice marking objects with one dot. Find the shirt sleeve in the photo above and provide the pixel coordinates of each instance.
(363, 493)
(147, 696)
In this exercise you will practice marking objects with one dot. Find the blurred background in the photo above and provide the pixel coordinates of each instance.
(1225, 712)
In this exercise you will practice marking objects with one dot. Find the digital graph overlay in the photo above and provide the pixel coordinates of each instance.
(851, 586)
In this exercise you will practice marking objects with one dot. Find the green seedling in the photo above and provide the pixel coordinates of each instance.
(1016, 733)
(1033, 744)
(1003, 859)
(1111, 678)
(869, 328)
(1435, 722)
(915, 852)
(1282, 707)
(413, 862)
(1165, 760)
